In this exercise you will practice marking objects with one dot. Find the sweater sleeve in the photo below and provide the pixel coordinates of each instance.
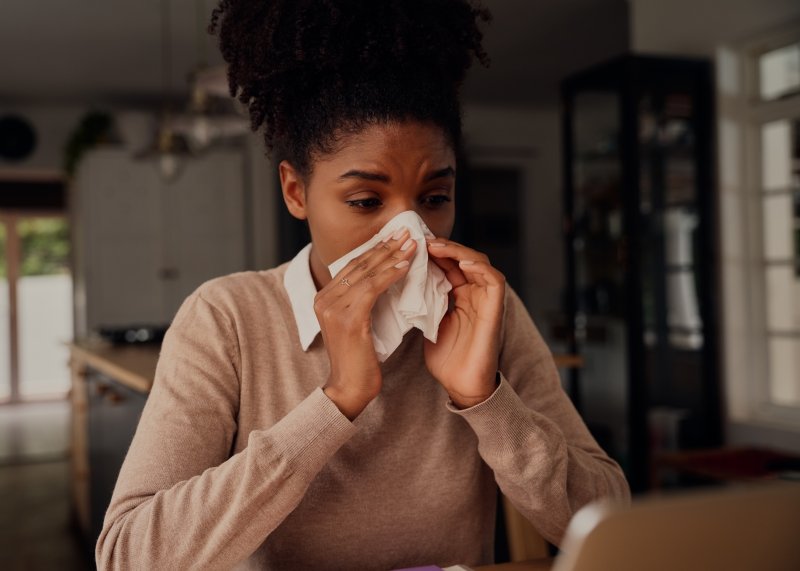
(181, 500)
(543, 456)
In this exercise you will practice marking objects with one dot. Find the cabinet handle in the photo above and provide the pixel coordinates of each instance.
(114, 398)
(168, 273)
(100, 389)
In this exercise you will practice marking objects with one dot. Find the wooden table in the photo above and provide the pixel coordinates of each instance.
(727, 465)
(568, 361)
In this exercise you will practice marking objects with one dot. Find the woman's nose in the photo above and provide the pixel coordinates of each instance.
(402, 206)
(389, 214)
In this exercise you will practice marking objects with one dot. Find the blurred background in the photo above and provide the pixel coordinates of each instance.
(633, 167)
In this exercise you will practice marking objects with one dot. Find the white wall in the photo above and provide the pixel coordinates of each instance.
(262, 172)
(697, 27)
(53, 125)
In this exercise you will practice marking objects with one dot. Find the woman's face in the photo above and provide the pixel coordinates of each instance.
(376, 174)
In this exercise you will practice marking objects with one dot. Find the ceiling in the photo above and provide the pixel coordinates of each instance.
(100, 51)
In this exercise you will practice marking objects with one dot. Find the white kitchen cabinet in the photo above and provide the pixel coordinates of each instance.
(141, 245)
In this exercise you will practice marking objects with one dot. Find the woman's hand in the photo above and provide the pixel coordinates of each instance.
(465, 357)
(343, 309)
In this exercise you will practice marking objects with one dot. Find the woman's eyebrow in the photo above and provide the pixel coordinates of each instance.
(364, 175)
(379, 177)
(441, 173)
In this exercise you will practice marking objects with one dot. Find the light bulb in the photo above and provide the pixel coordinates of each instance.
(202, 131)
(169, 166)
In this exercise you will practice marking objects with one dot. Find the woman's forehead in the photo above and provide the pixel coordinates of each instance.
(396, 141)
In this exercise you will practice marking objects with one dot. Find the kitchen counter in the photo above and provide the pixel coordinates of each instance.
(132, 365)
(110, 385)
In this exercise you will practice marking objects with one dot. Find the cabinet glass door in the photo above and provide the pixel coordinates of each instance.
(672, 323)
(641, 258)
(599, 250)
(5, 319)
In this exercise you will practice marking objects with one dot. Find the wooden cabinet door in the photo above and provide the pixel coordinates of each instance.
(114, 412)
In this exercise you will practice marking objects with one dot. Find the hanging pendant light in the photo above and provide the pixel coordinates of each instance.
(171, 152)
(169, 149)
(208, 120)
(210, 117)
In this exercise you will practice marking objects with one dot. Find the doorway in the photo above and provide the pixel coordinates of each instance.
(36, 318)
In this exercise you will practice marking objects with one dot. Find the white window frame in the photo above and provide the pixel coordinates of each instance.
(753, 113)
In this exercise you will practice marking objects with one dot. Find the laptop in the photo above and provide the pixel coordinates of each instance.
(749, 528)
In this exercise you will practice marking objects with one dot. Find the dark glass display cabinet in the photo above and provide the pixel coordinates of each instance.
(640, 301)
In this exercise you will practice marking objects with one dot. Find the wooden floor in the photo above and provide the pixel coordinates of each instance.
(36, 526)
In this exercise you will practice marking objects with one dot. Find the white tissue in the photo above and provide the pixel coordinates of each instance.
(418, 300)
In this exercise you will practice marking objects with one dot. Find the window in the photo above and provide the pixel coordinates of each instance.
(780, 256)
(773, 112)
(779, 72)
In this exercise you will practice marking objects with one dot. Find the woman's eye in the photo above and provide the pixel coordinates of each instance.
(364, 203)
(436, 200)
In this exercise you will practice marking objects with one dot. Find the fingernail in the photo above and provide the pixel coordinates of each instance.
(401, 264)
(399, 233)
(466, 262)
(406, 245)
(386, 238)
(436, 245)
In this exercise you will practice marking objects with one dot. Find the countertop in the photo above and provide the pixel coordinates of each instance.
(132, 365)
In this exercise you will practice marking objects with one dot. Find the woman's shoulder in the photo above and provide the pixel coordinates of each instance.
(241, 292)
(518, 326)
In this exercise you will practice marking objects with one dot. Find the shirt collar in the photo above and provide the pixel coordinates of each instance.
(301, 290)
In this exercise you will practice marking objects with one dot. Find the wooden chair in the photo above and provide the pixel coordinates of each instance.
(524, 542)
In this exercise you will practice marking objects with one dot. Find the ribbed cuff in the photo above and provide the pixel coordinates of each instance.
(503, 422)
(307, 437)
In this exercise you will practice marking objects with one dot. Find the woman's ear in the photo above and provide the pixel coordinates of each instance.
(294, 190)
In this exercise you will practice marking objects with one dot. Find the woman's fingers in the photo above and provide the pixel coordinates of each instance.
(373, 271)
(463, 265)
(481, 273)
(343, 309)
(451, 270)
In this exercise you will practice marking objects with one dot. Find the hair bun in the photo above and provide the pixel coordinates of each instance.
(284, 55)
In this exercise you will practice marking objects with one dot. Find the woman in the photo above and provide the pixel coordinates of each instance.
(273, 437)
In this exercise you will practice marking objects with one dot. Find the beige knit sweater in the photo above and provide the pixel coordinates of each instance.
(241, 461)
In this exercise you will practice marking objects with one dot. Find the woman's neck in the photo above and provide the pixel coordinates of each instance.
(319, 271)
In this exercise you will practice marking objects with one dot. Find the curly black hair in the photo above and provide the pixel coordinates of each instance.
(313, 71)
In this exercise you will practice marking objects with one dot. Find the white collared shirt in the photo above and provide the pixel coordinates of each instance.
(301, 290)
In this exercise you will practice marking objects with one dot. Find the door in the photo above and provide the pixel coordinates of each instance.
(35, 306)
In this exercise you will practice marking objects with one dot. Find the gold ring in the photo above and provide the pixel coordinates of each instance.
(345, 282)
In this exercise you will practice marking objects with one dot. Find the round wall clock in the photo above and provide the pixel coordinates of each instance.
(17, 138)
